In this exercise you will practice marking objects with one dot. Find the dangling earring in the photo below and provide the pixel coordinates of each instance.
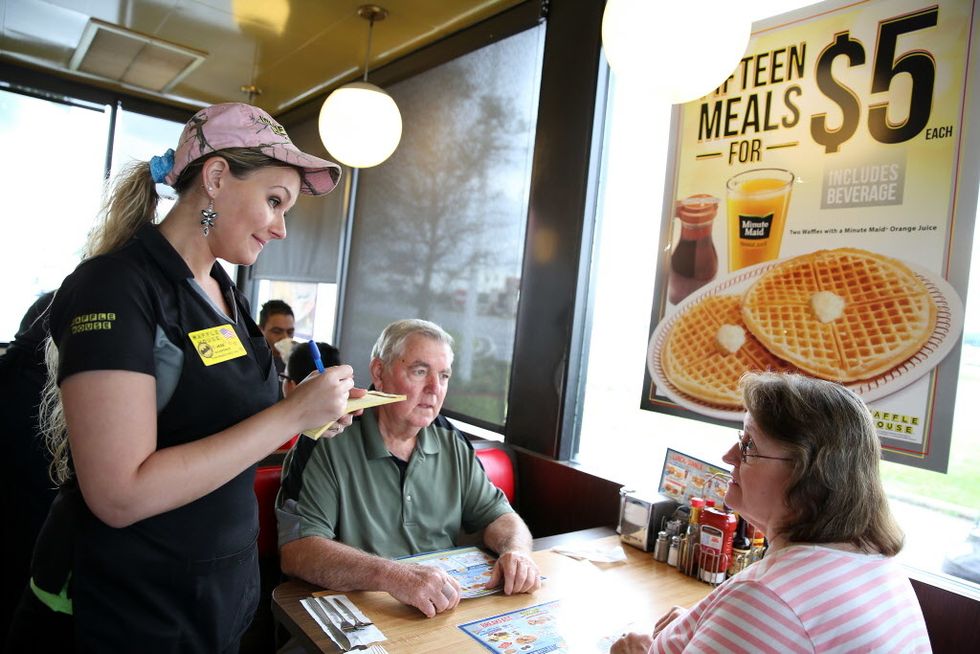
(209, 214)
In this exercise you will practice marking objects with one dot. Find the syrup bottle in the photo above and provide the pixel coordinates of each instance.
(694, 261)
(741, 547)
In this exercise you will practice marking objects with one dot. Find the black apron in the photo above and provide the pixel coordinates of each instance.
(185, 580)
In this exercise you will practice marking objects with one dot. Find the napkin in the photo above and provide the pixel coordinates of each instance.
(361, 636)
(589, 551)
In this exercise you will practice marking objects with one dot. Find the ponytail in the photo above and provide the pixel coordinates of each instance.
(51, 418)
(131, 203)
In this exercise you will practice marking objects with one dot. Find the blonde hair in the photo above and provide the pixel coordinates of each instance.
(834, 492)
(128, 204)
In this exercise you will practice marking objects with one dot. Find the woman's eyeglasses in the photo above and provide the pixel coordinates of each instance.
(746, 447)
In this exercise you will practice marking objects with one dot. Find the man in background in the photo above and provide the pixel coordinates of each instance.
(277, 323)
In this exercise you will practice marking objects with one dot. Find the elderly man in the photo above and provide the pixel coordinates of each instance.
(399, 481)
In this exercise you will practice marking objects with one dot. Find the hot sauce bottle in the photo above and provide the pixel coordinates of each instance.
(694, 261)
(717, 532)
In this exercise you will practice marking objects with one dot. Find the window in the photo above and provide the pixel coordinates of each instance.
(438, 231)
(139, 138)
(314, 307)
(59, 191)
(624, 443)
(54, 161)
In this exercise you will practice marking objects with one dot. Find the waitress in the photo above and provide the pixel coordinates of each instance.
(169, 397)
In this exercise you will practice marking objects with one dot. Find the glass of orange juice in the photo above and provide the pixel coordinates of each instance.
(758, 200)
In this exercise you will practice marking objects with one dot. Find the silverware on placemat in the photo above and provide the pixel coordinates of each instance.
(335, 632)
(343, 610)
(339, 618)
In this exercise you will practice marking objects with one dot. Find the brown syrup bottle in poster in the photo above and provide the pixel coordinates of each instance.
(694, 261)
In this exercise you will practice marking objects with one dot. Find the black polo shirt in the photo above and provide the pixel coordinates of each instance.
(138, 309)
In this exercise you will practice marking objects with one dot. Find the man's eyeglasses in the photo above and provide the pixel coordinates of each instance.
(746, 447)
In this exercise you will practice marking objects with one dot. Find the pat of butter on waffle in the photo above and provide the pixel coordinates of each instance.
(694, 361)
(827, 306)
(730, 338)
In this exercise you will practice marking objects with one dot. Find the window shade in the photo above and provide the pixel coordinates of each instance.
(313, 227)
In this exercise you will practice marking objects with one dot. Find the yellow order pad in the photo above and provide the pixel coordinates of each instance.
(373, 398)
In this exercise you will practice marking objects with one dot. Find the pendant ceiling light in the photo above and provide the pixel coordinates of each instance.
(360, 124)
(678, 51)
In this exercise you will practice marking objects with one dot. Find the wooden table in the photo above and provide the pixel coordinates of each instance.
(598, 600)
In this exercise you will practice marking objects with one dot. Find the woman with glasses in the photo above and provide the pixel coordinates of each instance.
(805, 471)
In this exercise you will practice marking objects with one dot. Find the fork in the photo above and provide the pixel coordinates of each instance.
(345, 624)
(352, 617)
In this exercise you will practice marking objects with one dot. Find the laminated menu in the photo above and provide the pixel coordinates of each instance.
(470, 566)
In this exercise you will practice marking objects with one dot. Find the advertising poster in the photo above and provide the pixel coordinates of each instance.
(818, 216)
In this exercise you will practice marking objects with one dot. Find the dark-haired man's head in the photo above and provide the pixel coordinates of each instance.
(276, 322)
(300, 363)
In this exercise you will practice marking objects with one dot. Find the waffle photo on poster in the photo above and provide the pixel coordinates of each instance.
(847, 315)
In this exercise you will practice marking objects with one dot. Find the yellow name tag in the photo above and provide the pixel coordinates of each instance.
(217, 344)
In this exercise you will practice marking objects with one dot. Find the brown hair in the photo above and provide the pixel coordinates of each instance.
(834, 493)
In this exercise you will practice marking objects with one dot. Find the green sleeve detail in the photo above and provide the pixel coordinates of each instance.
(59, 603)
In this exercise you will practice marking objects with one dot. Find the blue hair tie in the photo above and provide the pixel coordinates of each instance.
(161, 166)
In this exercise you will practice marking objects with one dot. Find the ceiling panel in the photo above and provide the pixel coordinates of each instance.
(296, 48)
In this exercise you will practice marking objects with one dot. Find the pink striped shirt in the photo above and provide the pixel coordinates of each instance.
(805, 598)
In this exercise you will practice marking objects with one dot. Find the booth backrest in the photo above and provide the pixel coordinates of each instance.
(266, 488)
(499, 463)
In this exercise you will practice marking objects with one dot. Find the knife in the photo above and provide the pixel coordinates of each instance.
(339, 636)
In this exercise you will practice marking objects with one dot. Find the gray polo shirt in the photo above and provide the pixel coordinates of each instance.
(349, 489)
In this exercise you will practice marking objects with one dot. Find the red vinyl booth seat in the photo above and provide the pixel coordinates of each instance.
(266, 487)
(500, 469)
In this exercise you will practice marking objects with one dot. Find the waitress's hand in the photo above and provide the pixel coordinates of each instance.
(322, 398)
(344, 421)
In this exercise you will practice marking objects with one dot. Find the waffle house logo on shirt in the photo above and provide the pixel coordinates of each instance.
(92, 322)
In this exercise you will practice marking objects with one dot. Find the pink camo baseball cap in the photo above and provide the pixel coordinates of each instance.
(238, 125)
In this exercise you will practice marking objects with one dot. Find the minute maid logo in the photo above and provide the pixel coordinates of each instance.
(217, 344)
(92, 322)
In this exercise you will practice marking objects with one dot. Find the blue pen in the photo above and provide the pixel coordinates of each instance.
(315, 351)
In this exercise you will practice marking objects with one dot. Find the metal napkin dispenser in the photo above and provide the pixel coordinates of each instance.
(641, 516)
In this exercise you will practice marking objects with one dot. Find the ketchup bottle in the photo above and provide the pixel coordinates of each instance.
(717, 531)
(694, 261)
